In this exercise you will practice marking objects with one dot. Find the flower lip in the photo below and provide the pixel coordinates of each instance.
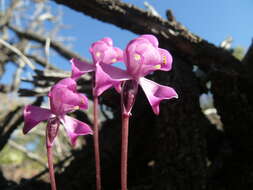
(156, 93)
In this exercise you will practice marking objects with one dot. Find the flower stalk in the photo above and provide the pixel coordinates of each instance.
(128, 96)
(51, 168)
(96, 142)
(124, 150)
(51, 132)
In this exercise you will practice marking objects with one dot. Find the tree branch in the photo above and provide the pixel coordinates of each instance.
(248, 60)
(66, 53)
(41, 61)
(30, 155)
(171, 35)
(18, 52)
(11, 122)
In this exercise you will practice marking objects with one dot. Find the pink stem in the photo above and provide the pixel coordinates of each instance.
(96, 142)
(124, 149)
(128, 95)
(51, 167)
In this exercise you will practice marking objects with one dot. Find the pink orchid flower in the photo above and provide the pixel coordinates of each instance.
(143, 56)
(63, 99)
(103, 53)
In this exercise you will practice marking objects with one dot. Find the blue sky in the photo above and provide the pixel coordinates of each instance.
(213, 20)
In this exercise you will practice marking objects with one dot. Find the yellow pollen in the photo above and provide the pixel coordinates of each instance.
(114, 60)
(98, 54)
(76, 108)
(164, 60)
(157, 66)
(137, 57)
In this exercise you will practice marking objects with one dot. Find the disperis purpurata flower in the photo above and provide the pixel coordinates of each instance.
(63, 99)
(141, 57)
(103, 53)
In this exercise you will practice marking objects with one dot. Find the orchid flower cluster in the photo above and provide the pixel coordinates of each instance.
(142, 56)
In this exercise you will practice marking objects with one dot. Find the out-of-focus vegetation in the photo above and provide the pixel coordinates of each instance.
(239, 52)
(26, 153)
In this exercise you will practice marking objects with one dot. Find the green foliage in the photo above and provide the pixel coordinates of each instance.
(238, 52)
(11, 156)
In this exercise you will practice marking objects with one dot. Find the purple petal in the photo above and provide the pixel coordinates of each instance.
(83, 104)
(34, 115)
(151, 38)
(108, 76)
(112, 55)
(103, 51)
(79, 68)
(64, 100)
(119, 54)
(166, 60)
(64, 97)
(156, 93)
(75, 128)
(141, 57)
(68, 83)
(108, 41)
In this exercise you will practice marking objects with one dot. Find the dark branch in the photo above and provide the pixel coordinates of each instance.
(11, 122)
(171, 34)
(248, 60)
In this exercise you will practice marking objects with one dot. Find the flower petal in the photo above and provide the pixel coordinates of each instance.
(65, 83)
(75, 128)
(103, 51)
(119, 54)
(141, 57)
(156, 93)
(108, 76)
(64, 97)
(83, 104)
(166, 60)
(108, 41)
(79, 68)
(151, 38)
(34, 115)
